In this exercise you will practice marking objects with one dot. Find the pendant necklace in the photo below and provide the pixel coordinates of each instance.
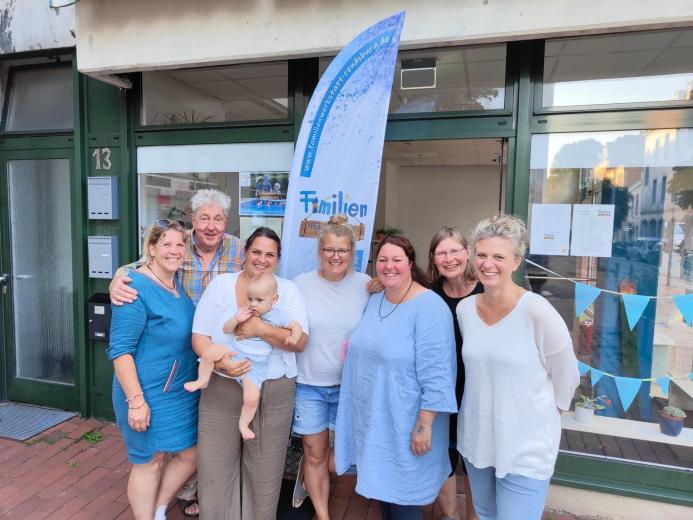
(380, 308)
(172, 288)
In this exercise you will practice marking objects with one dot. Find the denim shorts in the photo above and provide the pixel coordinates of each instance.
(315, 409)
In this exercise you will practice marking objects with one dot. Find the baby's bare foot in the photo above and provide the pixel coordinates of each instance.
(246, 432)
(194, 386)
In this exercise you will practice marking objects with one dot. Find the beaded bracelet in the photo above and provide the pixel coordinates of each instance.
(133, 397)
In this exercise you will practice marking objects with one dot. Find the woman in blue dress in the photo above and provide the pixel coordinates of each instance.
(152, 357)
(398, 389)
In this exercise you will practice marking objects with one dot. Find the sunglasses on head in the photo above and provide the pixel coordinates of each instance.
(164, 223)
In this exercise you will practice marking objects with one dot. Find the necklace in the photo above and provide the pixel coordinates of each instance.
(380, 308)
(171, 288)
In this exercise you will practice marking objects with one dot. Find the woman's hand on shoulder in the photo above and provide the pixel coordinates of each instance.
(375, 286)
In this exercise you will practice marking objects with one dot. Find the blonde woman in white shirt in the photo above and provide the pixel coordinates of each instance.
(521, 373)
(335, 297)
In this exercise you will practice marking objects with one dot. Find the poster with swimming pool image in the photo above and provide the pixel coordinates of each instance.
(262, 193)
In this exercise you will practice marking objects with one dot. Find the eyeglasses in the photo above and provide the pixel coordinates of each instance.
(453, 253)
(164, 223)
(218, 221)
(330, 252)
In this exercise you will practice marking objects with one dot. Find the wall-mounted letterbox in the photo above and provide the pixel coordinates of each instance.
(99, 316)
(103, 256)
(102, 197)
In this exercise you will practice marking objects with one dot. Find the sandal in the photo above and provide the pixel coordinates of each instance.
(185, 504)
(300, 492)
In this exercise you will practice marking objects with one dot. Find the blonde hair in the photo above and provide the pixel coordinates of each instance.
(456, 235)
(337, 226)
(154, 234)
(503, 226)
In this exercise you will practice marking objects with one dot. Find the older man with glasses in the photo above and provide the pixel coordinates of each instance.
(211, 251)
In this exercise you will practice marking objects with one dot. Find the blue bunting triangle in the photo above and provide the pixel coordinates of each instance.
(635, 305)
(628, 388)
(684, 302)
(583, 368)
(663, 383)
(595, 375)
(584, 296)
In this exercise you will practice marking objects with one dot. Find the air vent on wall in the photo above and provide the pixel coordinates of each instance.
(418, 73)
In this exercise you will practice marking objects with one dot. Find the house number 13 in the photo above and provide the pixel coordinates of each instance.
(102, 158)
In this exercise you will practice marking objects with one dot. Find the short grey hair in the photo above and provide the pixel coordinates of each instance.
(503, 226)
(211, 198)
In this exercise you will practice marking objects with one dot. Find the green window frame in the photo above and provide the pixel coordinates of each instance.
(611, 476)
(538, 75)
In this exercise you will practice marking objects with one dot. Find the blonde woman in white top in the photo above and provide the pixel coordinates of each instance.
(335, 297)
(521, 373)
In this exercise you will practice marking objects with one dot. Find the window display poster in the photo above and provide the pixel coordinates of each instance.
(593, 230)
(262, 193)
(549, 233)
(250, 224)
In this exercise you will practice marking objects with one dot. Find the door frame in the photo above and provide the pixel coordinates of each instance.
(57, 395)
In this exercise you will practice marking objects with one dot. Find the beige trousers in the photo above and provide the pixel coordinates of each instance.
(241, 480)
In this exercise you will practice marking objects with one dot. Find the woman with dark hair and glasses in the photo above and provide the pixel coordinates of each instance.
(398, 389)
(152, 357)
(239, 478)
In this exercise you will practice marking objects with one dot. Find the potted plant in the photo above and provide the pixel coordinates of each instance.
(386, 232)
(671, 420)
(585, 407)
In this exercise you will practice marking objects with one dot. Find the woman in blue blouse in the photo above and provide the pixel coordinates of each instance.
(152, 357)
(398, 389)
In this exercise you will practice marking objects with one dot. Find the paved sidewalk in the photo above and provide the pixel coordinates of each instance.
(78, 470)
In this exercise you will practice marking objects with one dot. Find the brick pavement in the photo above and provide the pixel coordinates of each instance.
(60, 475)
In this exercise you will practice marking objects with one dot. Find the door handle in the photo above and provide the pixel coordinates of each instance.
(23, 276)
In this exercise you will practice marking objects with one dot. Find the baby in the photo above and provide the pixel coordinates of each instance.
(261, 293)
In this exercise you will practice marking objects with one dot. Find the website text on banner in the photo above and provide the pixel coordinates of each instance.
(336, 165)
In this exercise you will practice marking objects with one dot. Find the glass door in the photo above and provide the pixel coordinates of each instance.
(427, 184)
(38, 289)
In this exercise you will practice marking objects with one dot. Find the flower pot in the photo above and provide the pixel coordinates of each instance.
(584, 415)
(670, 425)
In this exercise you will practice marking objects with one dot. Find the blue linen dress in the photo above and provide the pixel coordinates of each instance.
(395, 367)
(156, 330)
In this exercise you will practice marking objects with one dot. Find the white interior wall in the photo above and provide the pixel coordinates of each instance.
(134, 35)
(165, 97)
(421, 199)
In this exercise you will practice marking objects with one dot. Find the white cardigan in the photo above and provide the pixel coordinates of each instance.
(519, 372)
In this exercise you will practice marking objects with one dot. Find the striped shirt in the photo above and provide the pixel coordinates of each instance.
(195, 276)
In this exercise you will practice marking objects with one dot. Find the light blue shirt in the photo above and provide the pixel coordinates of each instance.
(395, 367)
(257, 346)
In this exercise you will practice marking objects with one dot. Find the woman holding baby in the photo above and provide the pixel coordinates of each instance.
(224, 458)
